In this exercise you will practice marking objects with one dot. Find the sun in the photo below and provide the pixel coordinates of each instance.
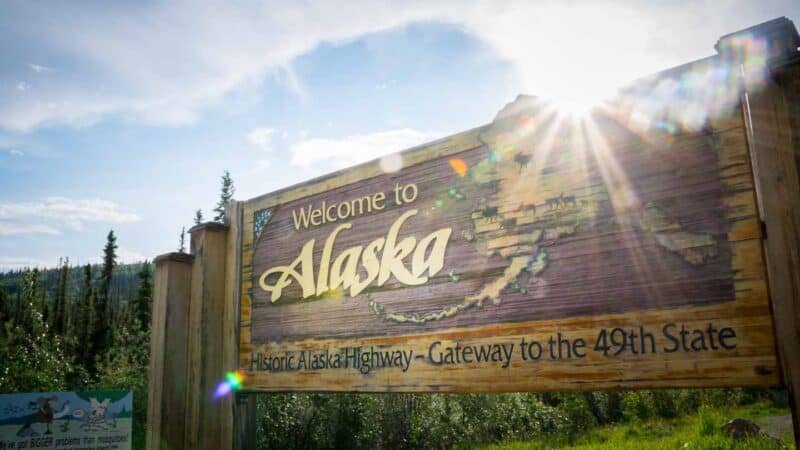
(573, 108)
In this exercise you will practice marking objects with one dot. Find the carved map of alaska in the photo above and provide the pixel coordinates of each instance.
(531, 208)
(547, 218)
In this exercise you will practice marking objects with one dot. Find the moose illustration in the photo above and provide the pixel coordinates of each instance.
(45, 414)
(522, 160)
(568, 200)
(98, 419)
(561, 202)
(490, 213)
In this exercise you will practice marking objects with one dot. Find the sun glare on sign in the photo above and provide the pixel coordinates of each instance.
(232, 382)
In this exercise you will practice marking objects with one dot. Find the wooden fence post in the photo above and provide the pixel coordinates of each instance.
(166, 407)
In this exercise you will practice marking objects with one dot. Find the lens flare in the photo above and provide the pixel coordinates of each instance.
(232, 382)
(459, 166)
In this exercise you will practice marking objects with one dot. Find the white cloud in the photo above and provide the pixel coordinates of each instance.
(128, 256)
(57, 212)
(17, 146)
(9, 228)
(39, 68)
(165, 62)
(338, 153)
(261, 137)
(385, 85)
(23, 86)
(288, 78)
(13, 263)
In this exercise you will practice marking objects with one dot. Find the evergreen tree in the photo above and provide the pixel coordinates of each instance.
(42, 305)
(182, 241)
(225, 196)
(84, 323)
(102, 333)
(116, 317)
(5, 311)
(144, 297)
(198, 217)
(59, 311)
(17, 312)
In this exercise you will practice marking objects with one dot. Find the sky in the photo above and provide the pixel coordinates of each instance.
(125, 116)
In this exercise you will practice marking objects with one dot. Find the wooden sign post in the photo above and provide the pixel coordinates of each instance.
(771, 110)
(541, 252)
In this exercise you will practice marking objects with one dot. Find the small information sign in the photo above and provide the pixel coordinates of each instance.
(92, 420)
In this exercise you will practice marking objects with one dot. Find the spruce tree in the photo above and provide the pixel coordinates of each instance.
(5, 311)
(182, 241)
(30, 299)
(144, 296)
(41, 300)
(102, 335)
(225, 196)
(85, 323)
(59, 309)
(198, 217)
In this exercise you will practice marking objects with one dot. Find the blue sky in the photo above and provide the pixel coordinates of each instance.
(125, 116)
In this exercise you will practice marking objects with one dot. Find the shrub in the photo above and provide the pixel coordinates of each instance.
(637, 406)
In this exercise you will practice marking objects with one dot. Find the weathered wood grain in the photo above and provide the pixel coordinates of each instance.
(230, 317)
(778, 190)
(245, 418)
(166, 407)
(207, 417)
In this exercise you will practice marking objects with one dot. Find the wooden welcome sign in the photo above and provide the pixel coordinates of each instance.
(537, 253)
(653, 243)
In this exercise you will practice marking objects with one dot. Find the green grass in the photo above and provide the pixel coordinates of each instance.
(698, 431)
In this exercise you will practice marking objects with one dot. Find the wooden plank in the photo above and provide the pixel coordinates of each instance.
(778, 191)
(231, 317)
(751, 362)
(206, 416)
(246, 410)
(168, 347)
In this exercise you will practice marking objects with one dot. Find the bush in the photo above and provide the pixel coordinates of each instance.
(577, 416)
(637, 406)
(443, 421)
